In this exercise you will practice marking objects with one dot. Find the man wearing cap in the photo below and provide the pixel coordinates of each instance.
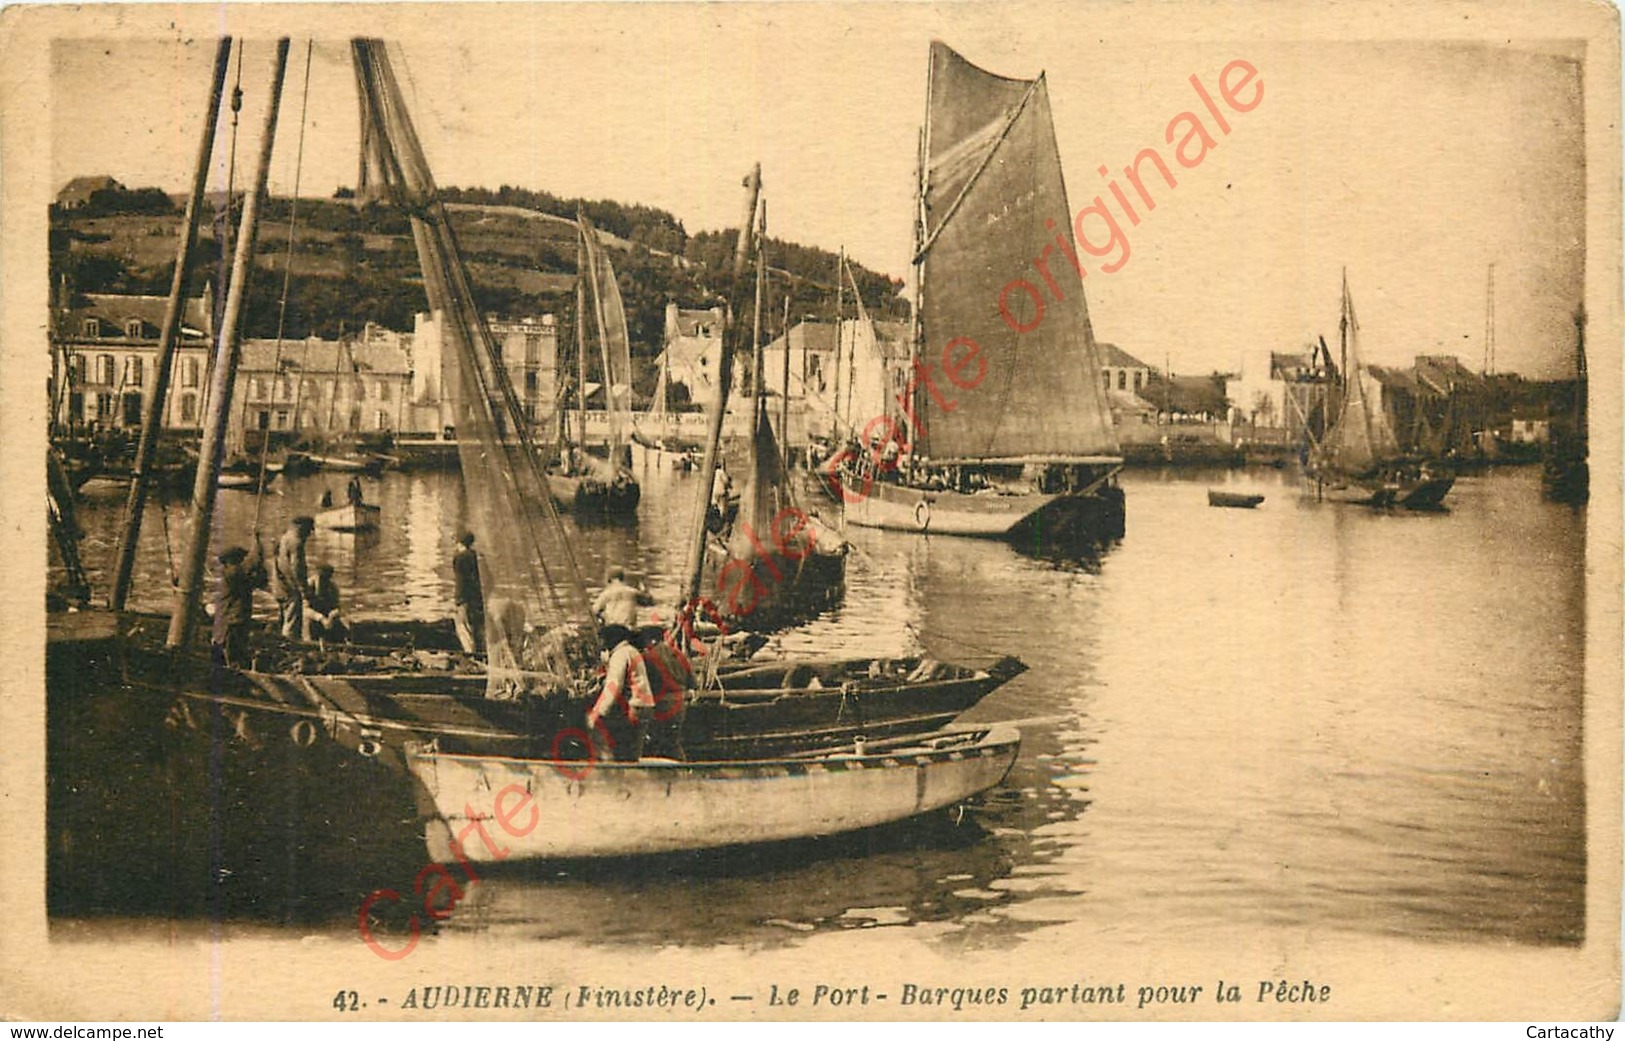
(322, 608)
(292, 577)
(469, 598)
(234, 610)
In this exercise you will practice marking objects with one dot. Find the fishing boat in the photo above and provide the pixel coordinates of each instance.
(160, 739)
(349, 463)
(581, 808)
(244, 482)
(581, 482)
(1233, 500)
(771, 563)
(1024, 444)
(1359, 461)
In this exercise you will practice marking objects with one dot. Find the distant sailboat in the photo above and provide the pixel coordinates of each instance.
(1030, 445)
(775, 564)
(1359, 460)
(581, 481)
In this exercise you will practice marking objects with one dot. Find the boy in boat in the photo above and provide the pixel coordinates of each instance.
(292, 577)
(626, 683)
(322, 608)
(234, 612)
(469, 599)
(352, 491)
(617, 607)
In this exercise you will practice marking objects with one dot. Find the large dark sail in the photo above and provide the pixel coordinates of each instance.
(994, 200)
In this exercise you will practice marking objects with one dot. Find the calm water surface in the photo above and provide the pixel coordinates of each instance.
(1300, 715)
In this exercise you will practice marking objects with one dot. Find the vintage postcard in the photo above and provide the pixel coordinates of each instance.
(828, 511)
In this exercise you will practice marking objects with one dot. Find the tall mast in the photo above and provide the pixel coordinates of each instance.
(1489, 324)
(758, 387)
(184, 615)
(581, 343)
(835, 399)
(169, 338)
(784, 387)
(713, 441)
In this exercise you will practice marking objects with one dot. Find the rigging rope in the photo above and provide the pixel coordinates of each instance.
(287, 280)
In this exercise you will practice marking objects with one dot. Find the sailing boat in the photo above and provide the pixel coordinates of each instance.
(1029, 446)
(1359, 460)
(157, 745)
(581, 481)
(772, 563)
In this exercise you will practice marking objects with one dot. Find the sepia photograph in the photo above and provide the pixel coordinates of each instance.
(830, 511)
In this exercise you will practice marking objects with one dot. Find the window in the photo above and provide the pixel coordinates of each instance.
(383, 421)
(104, 406)
(256, 389)
(188, 408)
(1139, 378)
(133, 371)
(92, 328)
(383, 391)
(282, 419)
(104, 368)
(1122, 379)
(76, 370)
(132, 329)
(189, 375)
(1108, 375)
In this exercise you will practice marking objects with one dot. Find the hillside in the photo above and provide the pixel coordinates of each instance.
(355, 264)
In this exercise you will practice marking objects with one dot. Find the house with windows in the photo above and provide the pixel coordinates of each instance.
(104, 357)
(316, 389)
(693, 351)
(529, 346)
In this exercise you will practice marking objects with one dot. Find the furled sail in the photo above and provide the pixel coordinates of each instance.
(995, 200)
(532, 589)
(614, 342)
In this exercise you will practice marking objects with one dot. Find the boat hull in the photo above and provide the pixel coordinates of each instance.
(353, 516)
(1427, 493)
(987, 514)
(1233, 500)
(590, 495)
(610, 809)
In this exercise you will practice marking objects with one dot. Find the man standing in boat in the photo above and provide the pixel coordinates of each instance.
(621, 716)
(292, 577)
(234, 613)
(617, 607)
(469, 598)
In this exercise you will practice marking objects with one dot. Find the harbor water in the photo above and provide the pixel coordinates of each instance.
(1302, 715)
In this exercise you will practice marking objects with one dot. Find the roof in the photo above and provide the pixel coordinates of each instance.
(1128, 402)
(1444, 374)
(1114, 357)
(1293, 364)
(689, 322)
(80, 189)
(325, 357)
(116, 310)
(1394, 379)
(1192, 395)
(819, 337)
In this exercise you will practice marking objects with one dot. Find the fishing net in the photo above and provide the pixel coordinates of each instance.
(537, 619)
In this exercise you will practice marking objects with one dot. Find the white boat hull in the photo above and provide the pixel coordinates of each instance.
(609, 809)
(350, 517)
(985, 514)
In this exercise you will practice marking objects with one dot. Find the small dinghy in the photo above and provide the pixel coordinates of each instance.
(1234, 500)
(565, 809)
(354, 516)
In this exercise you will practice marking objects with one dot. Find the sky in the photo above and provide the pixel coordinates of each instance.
(1412, 164)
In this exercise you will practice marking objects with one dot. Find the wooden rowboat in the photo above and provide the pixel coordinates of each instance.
(1235, 500)
(354, 516)
(562, 809)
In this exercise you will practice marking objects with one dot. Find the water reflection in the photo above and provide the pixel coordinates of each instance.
(1303, 715)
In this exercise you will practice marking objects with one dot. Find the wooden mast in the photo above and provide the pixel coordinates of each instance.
(169, 337)
(713, 441)
(184, 616)
(835, 396)
(581, 352)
